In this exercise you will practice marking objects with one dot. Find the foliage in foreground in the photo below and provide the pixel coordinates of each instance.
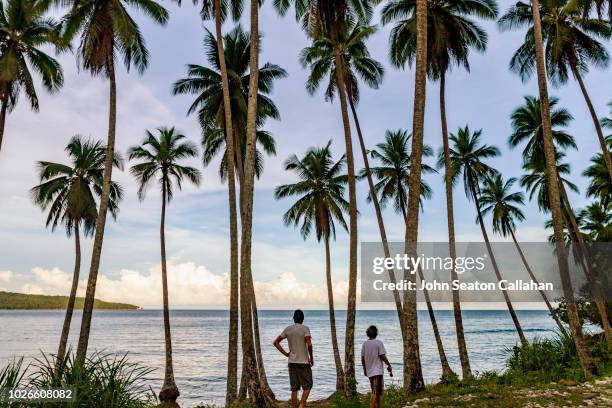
(104, 380)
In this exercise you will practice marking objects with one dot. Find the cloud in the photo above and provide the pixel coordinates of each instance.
(189, 285)
(5, 276)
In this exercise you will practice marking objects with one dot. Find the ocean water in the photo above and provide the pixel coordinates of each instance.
(200, 343)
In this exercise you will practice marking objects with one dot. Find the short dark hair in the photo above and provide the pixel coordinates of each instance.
(298, 316)
(372, 332)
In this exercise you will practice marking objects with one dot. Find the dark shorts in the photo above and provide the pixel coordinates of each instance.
(300, 376)
(377, 384)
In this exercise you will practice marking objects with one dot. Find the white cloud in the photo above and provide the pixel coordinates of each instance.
(189, 285)
(5, 276)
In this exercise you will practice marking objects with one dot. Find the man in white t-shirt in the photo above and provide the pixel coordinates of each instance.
(373, 355)
(300, 357)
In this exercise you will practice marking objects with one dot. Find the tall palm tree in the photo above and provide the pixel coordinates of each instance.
(320, 204)
(106, 31)
(497, 199)
(451, 34)
(158, 161)
(526, 121)
(68, 192)
(392, 184)
(219, 10)
(327, 19)
(468, 157)
(527, 127)
(25, 29)
(554, 195)
(207, 84)
(571, 45)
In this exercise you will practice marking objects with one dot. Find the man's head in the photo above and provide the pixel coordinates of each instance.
(372, 332)
(298, 316)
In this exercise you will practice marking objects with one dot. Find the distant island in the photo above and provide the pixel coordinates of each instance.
(11, 301)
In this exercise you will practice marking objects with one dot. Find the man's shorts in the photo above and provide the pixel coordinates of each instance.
(377, 384)
(300, 376)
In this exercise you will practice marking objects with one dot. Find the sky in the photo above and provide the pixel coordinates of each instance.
(288, 271)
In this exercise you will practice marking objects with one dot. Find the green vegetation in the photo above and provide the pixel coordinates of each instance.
(11, 300)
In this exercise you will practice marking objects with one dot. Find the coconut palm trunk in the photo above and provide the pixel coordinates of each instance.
(232, 348)
(266, 390)
(600, 135)
(587, 264)
(332, 318)
(169, 392)
(450, 220)
(61, 352)
(413, 373)
(446, 370)
(377, 210)
(3, 110)
(247, 295)
(349, 342)
(101, 218)
(513, 315)
(555, 200)
(533, 278)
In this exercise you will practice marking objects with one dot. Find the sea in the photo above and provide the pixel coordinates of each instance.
(199, 340)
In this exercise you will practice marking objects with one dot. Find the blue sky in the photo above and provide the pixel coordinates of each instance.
(287, 269)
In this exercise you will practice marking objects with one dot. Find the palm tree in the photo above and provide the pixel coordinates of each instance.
(553, 190)
(467, 159)
(159, 158)
(597, 221)
(394, 171)
(218, 8)
(106, 30)
(497, 199)
(571, 46)
(450, 36)
(327, 19)
(320, 204)
(207, 84)
(392, 184)
(25, 29)
(527, 128)
(68, 192)
(600, 185)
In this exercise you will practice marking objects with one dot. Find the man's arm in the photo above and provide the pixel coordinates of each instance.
(363, 365)
(309, 345)
(277, 344)
(384, 358)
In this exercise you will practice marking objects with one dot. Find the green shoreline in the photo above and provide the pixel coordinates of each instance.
(21, 301)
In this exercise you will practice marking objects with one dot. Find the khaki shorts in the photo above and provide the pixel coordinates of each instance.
(300, 376)
(377, 384)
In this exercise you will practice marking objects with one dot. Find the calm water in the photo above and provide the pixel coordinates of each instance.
(200, 338)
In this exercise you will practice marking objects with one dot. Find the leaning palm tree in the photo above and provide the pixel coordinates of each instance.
(68, 192)
(468, 157)
(526, 121)
(553, 193)
(106, 31)
(320, 204)
(597, 221)
(327, 19)
(571, 45)
(497, 199)
(25, 28)
(159, 158)
(451, 35)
